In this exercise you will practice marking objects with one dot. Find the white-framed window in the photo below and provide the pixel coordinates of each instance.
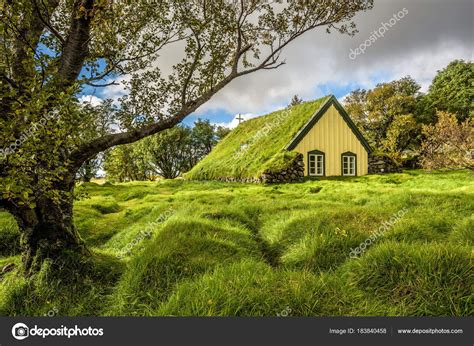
(349, 164)
(316, 164)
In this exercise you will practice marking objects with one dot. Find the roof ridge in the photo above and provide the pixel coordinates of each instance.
(287, 108)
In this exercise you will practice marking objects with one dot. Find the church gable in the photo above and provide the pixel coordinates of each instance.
(331, 101)
(342, 148)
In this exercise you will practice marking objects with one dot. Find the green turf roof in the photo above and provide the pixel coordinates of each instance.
(256, 144)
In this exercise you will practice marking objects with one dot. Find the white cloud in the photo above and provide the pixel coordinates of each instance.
(432, 33)
(235, 121)
(114, 92)
(91, 99)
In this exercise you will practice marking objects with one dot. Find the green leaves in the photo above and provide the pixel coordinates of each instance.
(385, 114)
(452, 90)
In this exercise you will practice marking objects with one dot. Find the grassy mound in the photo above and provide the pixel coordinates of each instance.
(427, 280)
(255, 145)
(182, 250)
(251, 288)
(105, 205)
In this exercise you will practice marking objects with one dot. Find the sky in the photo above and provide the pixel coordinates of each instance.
(423, 38)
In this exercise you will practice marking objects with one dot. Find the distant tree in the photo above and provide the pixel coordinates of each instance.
(400, 136)
(452, 91)
(99, 123)
(385, 115)
(127, 163)
(177, 150)
(448, 143)
(356, 105)
(89, 169)
(296, 100)
(221, 132)
(203, 137)
(171, 152)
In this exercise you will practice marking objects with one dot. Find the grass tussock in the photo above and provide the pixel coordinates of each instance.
(427, 280)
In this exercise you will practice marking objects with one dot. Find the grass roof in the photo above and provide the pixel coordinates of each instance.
(256, 144)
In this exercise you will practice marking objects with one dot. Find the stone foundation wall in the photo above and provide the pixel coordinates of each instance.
(379, 164)
(240, 180)
(294, 172)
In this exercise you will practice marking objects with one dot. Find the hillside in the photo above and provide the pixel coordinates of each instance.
(255, 145)
(229, 249)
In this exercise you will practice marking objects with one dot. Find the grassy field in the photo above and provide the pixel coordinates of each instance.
(181, 248)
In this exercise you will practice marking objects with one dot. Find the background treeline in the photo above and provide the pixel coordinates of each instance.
(166, 155)
(430, 130)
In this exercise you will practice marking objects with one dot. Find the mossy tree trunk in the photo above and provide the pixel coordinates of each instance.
(48, 233)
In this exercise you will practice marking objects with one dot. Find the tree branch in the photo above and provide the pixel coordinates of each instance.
(271, 61)
(47, 24)
(76, 47)
(89, 150)
(102, 85)
(192, 69)
(28, 35)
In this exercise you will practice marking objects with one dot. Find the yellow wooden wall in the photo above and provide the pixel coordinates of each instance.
(333, 136)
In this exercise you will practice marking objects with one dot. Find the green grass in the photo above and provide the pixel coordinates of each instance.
(262, 152)
(184, 248)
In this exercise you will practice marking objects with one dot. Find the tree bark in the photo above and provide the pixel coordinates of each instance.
(76, 47)
(48, 232)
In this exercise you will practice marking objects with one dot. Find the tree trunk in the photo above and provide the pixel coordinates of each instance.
(48, 232)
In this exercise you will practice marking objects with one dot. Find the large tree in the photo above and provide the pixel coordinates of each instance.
(452, 90)
(51, 49)
(385, 114)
